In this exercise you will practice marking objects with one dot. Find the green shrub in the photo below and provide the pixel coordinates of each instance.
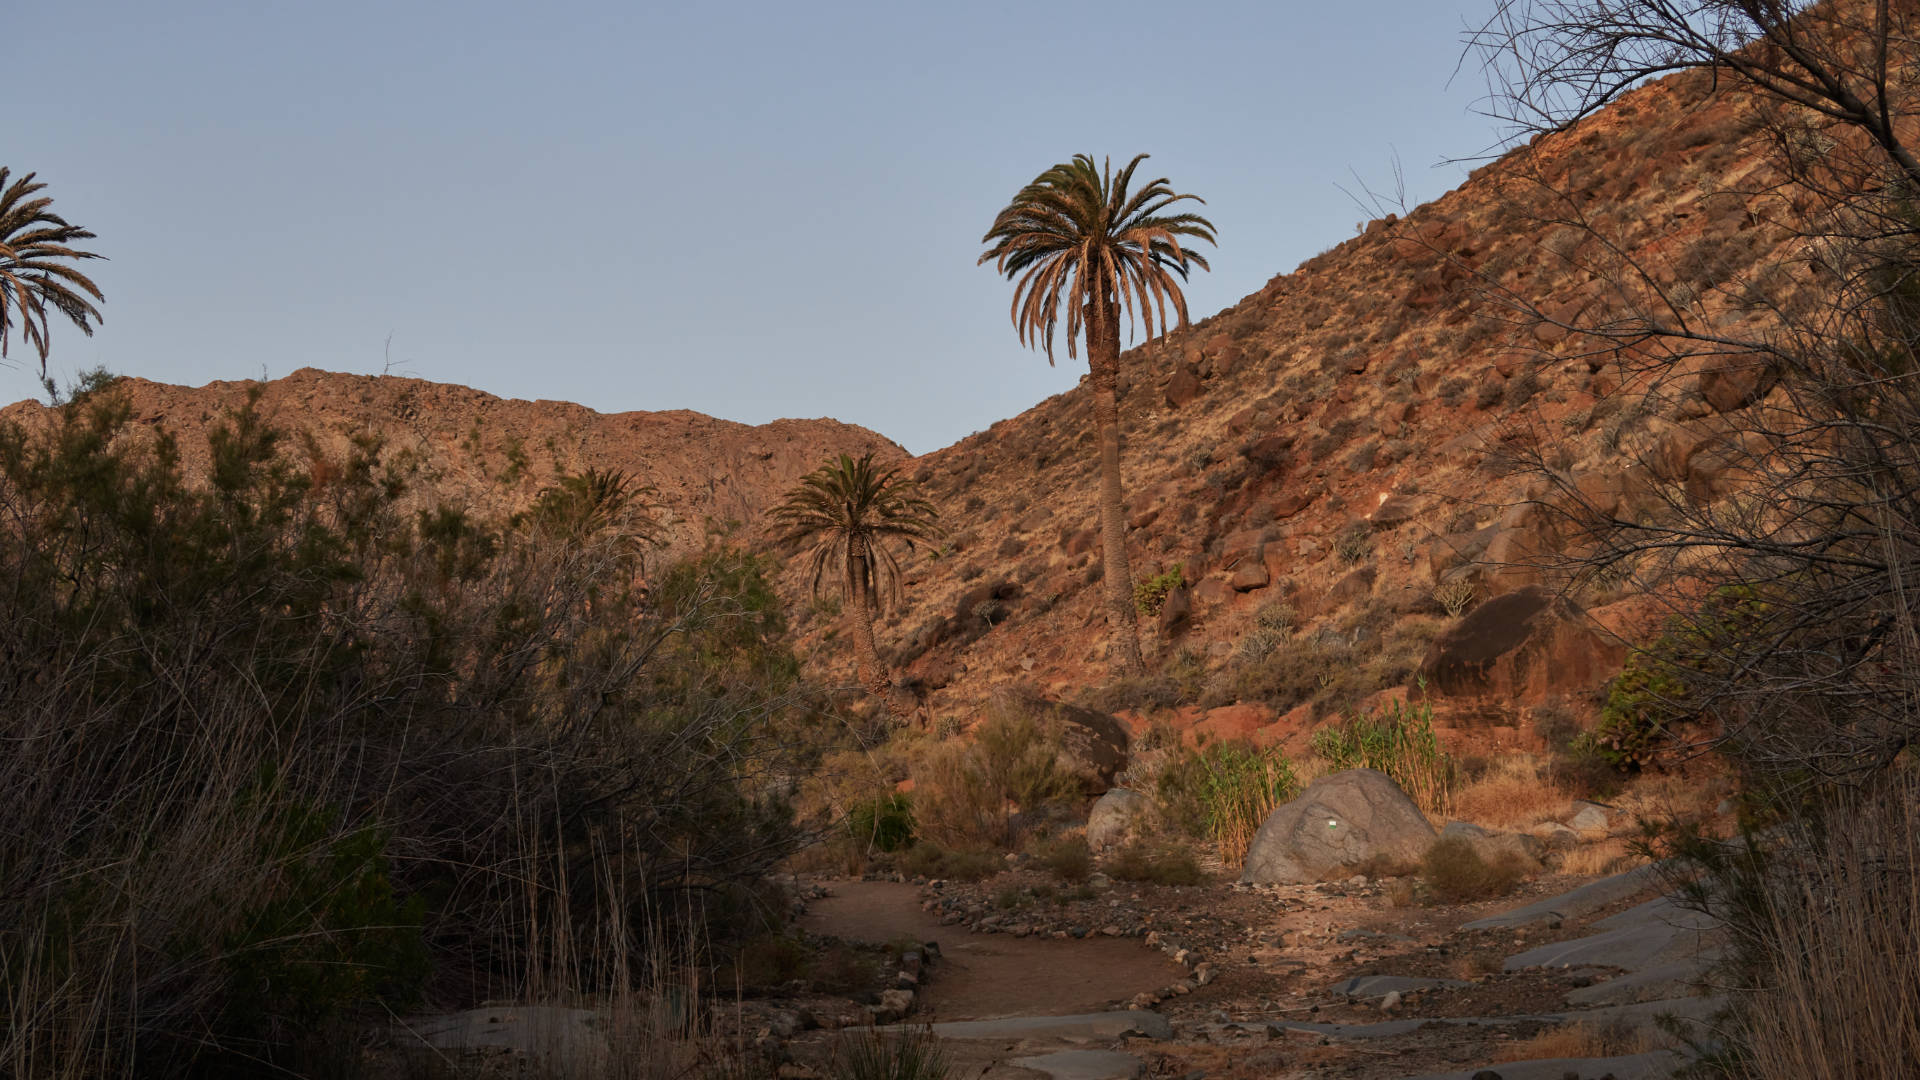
(902, 1053)
(1150, 593)
(1066, 857)
(1225, 792)
(930, 860)
(883, 824)
(1398, 741)
(966, 794)
(288, 746)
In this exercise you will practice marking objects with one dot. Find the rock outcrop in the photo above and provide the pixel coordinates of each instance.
(1522, 648)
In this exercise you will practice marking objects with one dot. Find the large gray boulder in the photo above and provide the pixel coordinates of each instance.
(1114, 818)
(1340, 822)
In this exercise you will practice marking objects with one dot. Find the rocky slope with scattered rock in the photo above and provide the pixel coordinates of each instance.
(1331, 462)
(468, 448)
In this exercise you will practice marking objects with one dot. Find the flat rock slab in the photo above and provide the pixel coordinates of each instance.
(1653, 1065)
(1584, 900)
(1373, 986)
(1084, 1065)
(1656, 933)
(1656, 983)
(1638, 1015)
(574, 1034)
(1106, 1025)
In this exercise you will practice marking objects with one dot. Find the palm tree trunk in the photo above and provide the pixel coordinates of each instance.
(1103, 362)
(867, 654)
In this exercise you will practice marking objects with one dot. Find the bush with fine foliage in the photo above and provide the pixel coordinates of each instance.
(282, 753)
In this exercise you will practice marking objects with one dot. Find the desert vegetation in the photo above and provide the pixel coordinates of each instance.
(283, 759)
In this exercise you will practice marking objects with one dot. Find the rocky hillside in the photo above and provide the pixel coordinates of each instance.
(1330, 461)
(474, 449)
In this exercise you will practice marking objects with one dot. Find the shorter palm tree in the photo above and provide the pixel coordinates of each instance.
(848, 511)
(34, 272)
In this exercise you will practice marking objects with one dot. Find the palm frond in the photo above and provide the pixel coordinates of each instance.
(1079, 235)
(852, 506)
(36, 246)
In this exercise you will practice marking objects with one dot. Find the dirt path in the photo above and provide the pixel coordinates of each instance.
(993, 975)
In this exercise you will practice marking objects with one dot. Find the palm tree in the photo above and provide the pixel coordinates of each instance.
(1077, 237)
(34, 274)
(848, 510)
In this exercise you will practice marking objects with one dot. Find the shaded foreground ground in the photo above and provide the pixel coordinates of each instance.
(993, 975)
(1292, 981)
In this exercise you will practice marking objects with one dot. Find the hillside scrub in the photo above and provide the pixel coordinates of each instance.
(1779, 382)
(281, 756)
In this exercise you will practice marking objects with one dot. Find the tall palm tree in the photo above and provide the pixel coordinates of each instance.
(1077, 237)
(34, 275)
(849, 511)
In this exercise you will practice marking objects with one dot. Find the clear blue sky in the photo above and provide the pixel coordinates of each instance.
(755, 210)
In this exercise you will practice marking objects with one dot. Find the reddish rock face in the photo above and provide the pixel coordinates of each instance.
(1230, 723)
(1737, 381)
(1523, 648)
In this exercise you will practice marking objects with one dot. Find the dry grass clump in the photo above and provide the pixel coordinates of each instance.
(930, 860)
(1835, 942)
(1578, 1041)
(1155, 865)
(1598, 859)
(1513, 793)
(967, 794)
(1458, 874)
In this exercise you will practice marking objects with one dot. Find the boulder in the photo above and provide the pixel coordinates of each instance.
(1092, 744)
(1496, 846)
(1183, 387)
(1176, 611)
(1340, 822)
(1251, 572)
(1523, 648)
(1393, 510)
(1230, 723)
(1114, 818)
(1734, 382)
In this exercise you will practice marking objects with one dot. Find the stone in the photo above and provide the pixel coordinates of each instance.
(1212, 591)
(1591, 819)
(1080, 1027)
(1183, 386)
(1356, 584)
(1251, 572)
(1114, 817)
(1340, 822)
(1523, 648)
(1656, 933)
(1273, 452)
(1497, 846)
(1092, 744)
(1291, 502)
(1237, 546)
(1393, 510)
(1367, 987)
(894, 1005)
(1734, 382)
(1584, 900)
(1084, 1065)
(1176, 612)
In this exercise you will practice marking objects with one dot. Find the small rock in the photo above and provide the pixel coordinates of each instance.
(1391, 1002)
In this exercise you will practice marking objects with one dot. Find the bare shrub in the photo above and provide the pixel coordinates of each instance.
(1457, 874)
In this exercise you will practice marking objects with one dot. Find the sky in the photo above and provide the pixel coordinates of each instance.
(755, 210)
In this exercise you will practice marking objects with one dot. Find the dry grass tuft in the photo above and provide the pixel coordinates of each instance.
(1577, 1041)
(1605, 857)
(1457, 874)
(1513, 793)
